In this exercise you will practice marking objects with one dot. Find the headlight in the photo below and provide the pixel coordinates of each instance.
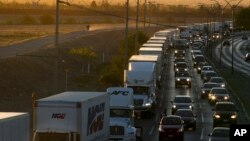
(148, 104)
(226, 97)
(188, 79)
(178, 79)
(222, 85)
(174, 106)
(199, 68)
(190, 106)
(233, 116)
(180, 130)
(175, 51)
(217, 116)
(160, 129)
(213, 97)
(203, 91)
(186, 69)
(177, 69)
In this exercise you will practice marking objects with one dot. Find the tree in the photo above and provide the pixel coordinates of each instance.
(93, 4)
(27, 19)
(243, 19)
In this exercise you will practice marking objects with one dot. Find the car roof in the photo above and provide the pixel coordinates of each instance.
(225, 102)
(182, 96)
(185, 110)
(221, 128)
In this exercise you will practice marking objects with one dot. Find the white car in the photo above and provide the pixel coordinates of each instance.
(219, 134)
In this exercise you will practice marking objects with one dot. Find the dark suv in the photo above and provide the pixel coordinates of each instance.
(225, 113)
(188, 117)
(182, 78)
(171, 128)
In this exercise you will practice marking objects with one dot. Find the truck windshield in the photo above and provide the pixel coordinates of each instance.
(123, 113)
(138, 90)
(52, 137)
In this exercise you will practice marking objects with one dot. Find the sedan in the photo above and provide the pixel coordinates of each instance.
(181, 102)
(206, 88)
(208, 75)
(218, 94)
(188, 117)
(198, 59)
(218, 80)
(171, 128)
(182, 78)
(219, 134)
(181, 66)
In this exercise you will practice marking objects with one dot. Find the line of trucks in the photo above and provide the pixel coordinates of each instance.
(100, 116)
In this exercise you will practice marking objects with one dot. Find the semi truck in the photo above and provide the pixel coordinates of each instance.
(136, 60)
(72, 116)
(14, 126)
(122, 114)
(143, 84)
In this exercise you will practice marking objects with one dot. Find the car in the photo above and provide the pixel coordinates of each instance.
(195, 52)
(218, 80)
(225, 113)
(181, 66)
(244, 37)
(204, 69)
(171, 127)
(247, 56)
(182, 78)
(188, 117)
(218, 94)
(179, 53)
(220, 134)
(197, 59)
(181, 102)
(200, 66)
(179, 59)
(216, 36)
(208, 75)
(206, 87)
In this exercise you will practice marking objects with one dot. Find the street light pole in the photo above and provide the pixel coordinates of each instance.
(144, 14)
(136, 27)
(56, 47)
(233, 7)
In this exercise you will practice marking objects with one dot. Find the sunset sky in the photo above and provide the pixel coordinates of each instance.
(177, 2)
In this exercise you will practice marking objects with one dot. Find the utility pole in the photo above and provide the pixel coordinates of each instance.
(136, 25)
(57, 48)
(126, 34)
(144, 14)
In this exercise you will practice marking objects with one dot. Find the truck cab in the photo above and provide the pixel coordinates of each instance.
(121, 114)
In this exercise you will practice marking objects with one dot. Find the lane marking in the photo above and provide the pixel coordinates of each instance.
(152, 130)
(202, 131)
(202, 117)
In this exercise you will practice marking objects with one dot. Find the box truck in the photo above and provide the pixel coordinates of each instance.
(122, 114)
(72, 116)
(14, 126)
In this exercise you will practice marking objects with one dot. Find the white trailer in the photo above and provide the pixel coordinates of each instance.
(72, 116)
(14, 126)
(143, 84)
(122, 114)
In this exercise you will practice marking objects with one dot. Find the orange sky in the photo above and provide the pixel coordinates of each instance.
(177, 2)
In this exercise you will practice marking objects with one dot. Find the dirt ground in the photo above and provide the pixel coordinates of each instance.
(21, 76)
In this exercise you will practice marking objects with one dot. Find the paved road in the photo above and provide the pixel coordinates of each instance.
(48, 41)
(202, 109)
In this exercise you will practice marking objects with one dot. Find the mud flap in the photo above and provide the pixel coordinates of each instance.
(139, 133)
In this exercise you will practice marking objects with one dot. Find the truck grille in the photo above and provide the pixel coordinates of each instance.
(116, 130)
(138, 102)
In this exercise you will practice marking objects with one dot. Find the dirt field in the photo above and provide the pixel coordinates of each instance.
(22, 76)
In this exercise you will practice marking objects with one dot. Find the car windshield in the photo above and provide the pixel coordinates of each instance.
(184, 113)
(219, 91)
(182, 65)
(220, 133)
(171, 121)
(199, 58)
(207, 68)
(210, 85)
(182, 100)
(225, 107)
(182, 75)
(211, 74)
